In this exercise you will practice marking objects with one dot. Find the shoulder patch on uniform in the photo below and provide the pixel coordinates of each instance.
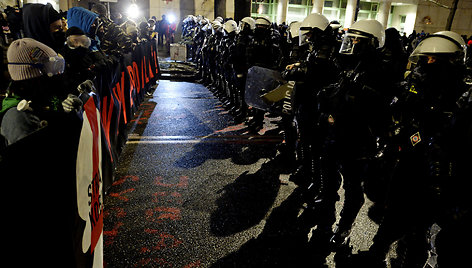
(415, 138)
(331, 120)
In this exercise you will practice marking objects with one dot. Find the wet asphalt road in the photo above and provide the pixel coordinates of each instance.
(193, 189)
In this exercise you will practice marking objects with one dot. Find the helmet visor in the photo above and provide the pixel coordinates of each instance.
(353, 44)
(304, 37)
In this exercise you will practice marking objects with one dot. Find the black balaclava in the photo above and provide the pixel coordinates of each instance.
(37, 19)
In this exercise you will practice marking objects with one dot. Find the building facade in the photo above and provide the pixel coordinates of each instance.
(404, 15)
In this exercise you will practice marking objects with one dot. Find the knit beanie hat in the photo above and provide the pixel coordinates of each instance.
(23, 56)
(74, 31)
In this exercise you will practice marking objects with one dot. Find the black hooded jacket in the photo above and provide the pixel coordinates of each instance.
(37, 19)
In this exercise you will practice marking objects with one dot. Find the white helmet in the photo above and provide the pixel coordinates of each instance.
(216, 26)
(204, 21)
(249, 21)
(230, 26)
(294, 29)
(198, 18)
(189, 18)
(207, 27)
(444, 42)
(263, 20)
(335, 25)
(312, 21)
(220, 19)
(365, 32)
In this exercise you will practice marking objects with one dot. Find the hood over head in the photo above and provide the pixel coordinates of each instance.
(37, 19)
(81, 18)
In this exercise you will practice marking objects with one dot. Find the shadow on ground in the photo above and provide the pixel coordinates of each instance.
(283, 242)
(238, 148)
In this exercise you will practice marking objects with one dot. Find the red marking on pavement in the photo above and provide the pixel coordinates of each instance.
(183, 182)
(119, 195)
(167, 241)
(151, 231)
(145, 113)
(124, 178)
(231, 128)
(112, 234)
(173, 195)
(118, 212)
(171, 213)
(193, 264)
(144, 250)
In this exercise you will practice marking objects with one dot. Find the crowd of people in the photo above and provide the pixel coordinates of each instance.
(389, 117)
(54, 57)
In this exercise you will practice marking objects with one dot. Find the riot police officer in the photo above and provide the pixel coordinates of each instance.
(230, 29)
(214, 47)
(247, 26)
(264, 51)
(353, 113)
(433, 126)
(318, 68)
(294, 55)
(317, 48)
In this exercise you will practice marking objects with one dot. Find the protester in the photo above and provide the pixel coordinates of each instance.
(81, 62)
(35, 91)
(44, 24)
(113, 41)
(152, 28)
(162, 29)
(144, 31)
(15, 21)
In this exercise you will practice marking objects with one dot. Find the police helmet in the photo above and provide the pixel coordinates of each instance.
(363, 33)
(248, 22)
(293, 30)
(445, 43)
(311, 22)
(230, 26)
(217, 27)
(263, 21)
(335, 25)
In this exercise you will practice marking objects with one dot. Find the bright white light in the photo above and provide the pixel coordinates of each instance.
(133, 11)
(171, 18)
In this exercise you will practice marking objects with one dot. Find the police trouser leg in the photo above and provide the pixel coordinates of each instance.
(353, 193)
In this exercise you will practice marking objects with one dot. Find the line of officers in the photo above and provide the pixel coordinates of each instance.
(396, 128)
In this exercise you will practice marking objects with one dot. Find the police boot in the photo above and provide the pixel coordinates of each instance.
(303, 176)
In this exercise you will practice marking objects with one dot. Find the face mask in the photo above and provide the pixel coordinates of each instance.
(59, 38)
(261, 31)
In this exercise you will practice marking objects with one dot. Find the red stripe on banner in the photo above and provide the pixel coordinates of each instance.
(150, 70)
(96, 211)
(142, 74)
(136, 77)
(132, 79)
(145, 70)
(106, 114)
(120, 88)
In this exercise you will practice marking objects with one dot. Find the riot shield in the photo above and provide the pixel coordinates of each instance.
(259, 82)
